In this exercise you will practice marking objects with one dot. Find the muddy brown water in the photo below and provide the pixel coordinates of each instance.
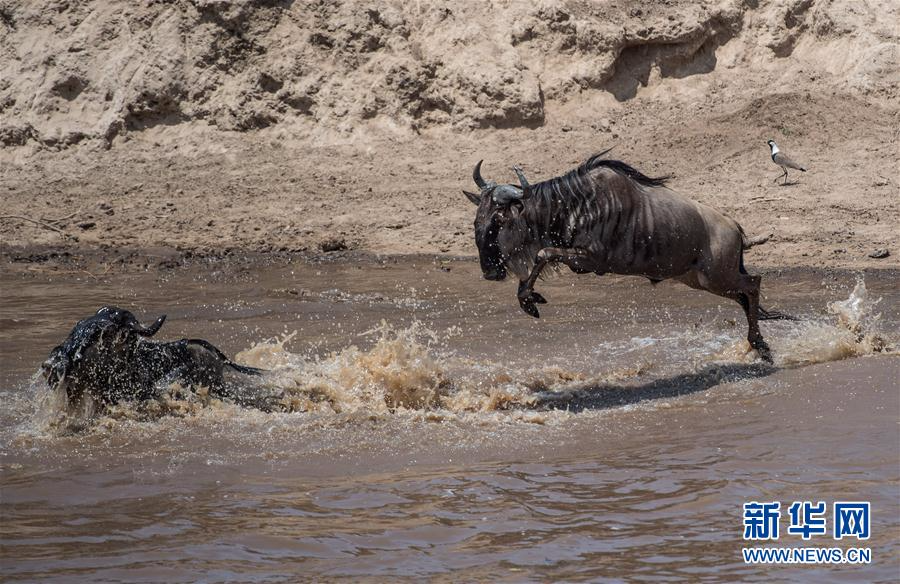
(427, 429)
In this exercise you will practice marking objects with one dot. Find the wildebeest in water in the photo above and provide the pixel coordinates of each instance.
(111, 357)
(607, 217)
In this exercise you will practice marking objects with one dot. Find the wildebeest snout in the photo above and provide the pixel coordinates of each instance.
(495, 275)
(493, 269)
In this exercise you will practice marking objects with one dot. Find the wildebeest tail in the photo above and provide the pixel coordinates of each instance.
(246, 370)
(749, 242)
(763, 314)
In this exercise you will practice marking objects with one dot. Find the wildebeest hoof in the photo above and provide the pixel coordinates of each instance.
(529, 307)
(762, 349)
(529, 301)
(532, 297)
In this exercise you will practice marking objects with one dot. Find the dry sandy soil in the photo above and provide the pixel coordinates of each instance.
(199, 127)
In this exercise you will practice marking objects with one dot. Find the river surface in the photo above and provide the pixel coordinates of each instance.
(426, 428)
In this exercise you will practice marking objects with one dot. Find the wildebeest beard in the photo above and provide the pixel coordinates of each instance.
(487, 239)
(558, 212)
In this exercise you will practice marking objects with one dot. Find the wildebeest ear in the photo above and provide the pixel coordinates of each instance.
(476, 199)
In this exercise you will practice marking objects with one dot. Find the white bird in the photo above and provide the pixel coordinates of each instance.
(783, 160)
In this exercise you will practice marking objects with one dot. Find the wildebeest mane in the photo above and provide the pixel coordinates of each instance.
(634, 174)
(574, 180)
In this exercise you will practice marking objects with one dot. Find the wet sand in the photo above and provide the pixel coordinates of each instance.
(429, 429)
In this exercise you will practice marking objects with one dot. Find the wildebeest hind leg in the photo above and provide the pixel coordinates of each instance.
(748, 298)
(743, 289)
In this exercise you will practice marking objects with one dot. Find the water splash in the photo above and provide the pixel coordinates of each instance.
(857, 313)
(399, 372)
(855, 332)
(410, 371)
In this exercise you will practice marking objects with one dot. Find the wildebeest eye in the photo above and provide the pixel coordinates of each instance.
(506, 214)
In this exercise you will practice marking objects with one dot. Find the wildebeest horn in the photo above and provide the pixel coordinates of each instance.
(152, 329)
(476, 175)
(526, 188)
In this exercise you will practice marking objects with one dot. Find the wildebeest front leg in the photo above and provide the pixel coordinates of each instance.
(528, 299)
(576, 259)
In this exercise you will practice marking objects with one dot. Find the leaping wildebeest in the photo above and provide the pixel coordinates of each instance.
(607, 217)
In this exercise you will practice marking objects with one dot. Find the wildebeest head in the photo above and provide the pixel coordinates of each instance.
(499, 207)
(113, 331)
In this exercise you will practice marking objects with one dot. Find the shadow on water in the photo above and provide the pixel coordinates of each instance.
(604, 396)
